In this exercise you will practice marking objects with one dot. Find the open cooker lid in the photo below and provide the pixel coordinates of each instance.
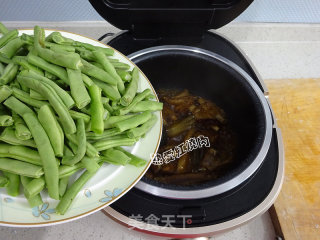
(169, 18)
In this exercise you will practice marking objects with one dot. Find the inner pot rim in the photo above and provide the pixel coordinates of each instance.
(241, 177)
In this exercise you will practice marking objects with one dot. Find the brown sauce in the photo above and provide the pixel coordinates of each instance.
(188, 121)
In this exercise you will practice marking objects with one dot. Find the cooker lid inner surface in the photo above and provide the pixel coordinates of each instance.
(217, 79)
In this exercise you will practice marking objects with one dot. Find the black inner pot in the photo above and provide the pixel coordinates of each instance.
(216, 81)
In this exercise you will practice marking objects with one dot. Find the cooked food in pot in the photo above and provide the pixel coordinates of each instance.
(197, 144)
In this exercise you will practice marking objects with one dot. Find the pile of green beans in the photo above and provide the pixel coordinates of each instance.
(65, 106)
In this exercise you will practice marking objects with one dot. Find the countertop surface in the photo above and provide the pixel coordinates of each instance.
(277, 50)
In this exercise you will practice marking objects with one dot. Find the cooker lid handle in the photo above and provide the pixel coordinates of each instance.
(169, 18)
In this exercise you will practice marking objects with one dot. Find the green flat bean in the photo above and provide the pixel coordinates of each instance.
(7, 37)
(132, 88)
(108, 90)
(33, 201)
(72, 192)
(6, 120)
(78, 115)
(25, 97)
(81, 145)
(109, 68)
(5, 60)
(147, 106)
(135, 161)
(90, 164)
(63, 185)
(35, 95)
(9, 73)
(64, 59)
(64, 96)
(13, 185)
(60, 48)
(34, 187)
(134, 121)
(96, 109)
(109, 123)
(23, 61)
(78, 89)
(1, 68)
(58, 38)
(115, 157)
(52, 128)
(58, 71)
(10, 49)
(44, 89)
(138, 98)
(125, 76)
(42, 141)
(90, 152)
(106, 144)
(8, 135)
(46, 154)
(50, 76)
(21, 130)
(143, 129)
(107, 133)
(121, 66)
(21, 153)
(107, 51)
(20, 168)
(97, 73)
(4, 182)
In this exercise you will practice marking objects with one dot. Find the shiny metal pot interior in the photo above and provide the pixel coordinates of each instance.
(215, 78)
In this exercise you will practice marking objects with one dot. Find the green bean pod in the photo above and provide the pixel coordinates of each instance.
(63, 185)
(52, 127)
(108, 90)
(108, 67)
(21, 153)
(66, 120)
(106, 144)
(115, 157)
(21, 130)
(8, 135)
(72, 192)
(58, 71)
(78, 89)
(147, 106)
(25, 97)
(138, 98)
(20, 168)
(5, 92)
(7, 37)
(96, 109)
(6, 120)
(4, 182)
(134, 121)
(9, 73)
(134, 160)
(34, 187)
(132, 88)
(81, 143)
(10, 49)
(33, 201)
(14, 183)
(64, 96)
(97, 73)
(46, 153)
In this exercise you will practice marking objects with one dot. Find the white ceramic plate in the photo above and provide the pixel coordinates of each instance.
(109, 184)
